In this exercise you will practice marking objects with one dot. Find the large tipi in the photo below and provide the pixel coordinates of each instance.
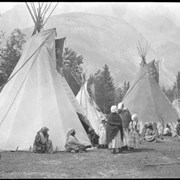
(146, 98)
(91, 109)
(34, 96)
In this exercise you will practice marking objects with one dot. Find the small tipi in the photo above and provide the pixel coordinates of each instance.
(92, 111)
(34, 96)
(146, 98)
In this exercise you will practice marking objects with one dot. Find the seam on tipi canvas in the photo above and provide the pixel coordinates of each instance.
(144, 74)
(18, 92)
(17, 96)
(26, 61)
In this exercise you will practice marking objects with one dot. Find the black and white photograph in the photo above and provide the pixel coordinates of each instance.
(89, 90)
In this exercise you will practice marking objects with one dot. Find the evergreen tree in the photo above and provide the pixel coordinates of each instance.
(72, 69)
(10, 52)
(105, 90)
(121, 91)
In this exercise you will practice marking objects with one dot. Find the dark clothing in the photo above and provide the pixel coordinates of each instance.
(94, 138)
(114, 124)
(178, 129)
(42, 144)
(125, 117)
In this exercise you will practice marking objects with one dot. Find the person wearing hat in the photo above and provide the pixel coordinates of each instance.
(42, 143)
(114, 131)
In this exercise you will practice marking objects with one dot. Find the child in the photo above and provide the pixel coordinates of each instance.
(102, 134)
(134, 139)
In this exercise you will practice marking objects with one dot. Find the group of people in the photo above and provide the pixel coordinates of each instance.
(121, 131)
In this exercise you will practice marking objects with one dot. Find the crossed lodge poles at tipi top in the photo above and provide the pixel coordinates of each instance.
(146, 98)
(35, 96)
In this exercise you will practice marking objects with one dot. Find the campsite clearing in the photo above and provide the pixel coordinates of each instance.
(151, 160)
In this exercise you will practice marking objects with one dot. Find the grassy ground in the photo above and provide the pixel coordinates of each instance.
(151, 160)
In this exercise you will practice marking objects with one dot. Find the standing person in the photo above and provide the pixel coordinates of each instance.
(114, 131)
(102, 134)
(167, 130)
(126, 119)
(42, 143)
(134, 128)
(72, 144)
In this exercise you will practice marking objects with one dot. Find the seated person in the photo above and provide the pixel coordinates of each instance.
(149, 134)
(72, 144)
(42, 143)
(167, 130)
(94, 138)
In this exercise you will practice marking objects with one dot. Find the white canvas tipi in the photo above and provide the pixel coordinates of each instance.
(146, 98)
(91, 109)
(35, 97)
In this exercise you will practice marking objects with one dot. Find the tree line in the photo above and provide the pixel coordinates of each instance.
(104, 91)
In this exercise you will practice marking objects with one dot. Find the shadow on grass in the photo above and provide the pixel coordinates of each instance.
(138, 150)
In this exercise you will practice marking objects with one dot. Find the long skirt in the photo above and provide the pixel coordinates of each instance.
(116, 142)
(102, 137)
(134, 139)
(126, 137)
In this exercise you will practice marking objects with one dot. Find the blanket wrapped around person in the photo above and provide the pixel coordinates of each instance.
(149, 134)
(42, 143)
(114, 130)
(72, 144)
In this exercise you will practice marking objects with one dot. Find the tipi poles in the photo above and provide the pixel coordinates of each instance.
(142, 51)
(50, 14)
(31, 13)
(38, 14)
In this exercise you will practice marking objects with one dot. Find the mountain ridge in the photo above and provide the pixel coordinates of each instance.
(105, 37)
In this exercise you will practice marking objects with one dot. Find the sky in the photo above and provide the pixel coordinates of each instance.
(4, 6)
(174, 7)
